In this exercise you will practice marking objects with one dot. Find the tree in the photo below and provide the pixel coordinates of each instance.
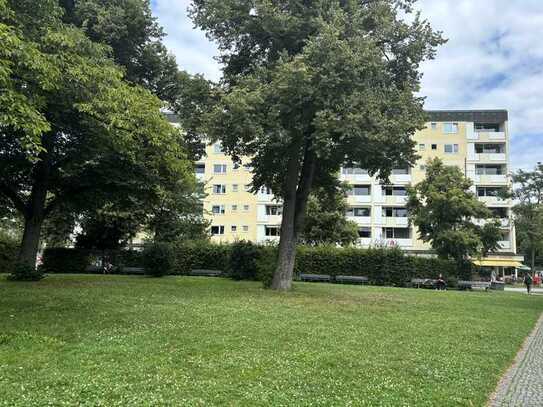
(529, 210)
(326, 221)
(135, 38)
(309, 86)
(72, 129)
(446, 214)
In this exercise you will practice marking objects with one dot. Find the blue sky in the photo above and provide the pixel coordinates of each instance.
(493, 60)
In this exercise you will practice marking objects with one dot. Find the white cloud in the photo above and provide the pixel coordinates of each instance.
(493, 60)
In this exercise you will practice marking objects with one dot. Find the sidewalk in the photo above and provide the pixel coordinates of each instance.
(523, 290)
(522, 384)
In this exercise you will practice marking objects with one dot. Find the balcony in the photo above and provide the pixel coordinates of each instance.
(400, 179)
(399, 242)
(488, 157)
(489, 178)
(357, 199)
(394, 221)
(364, 241)
(360, 220)
(355, 178)
(488, 135)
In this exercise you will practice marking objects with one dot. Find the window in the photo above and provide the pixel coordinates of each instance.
(489, 148)
(489, 191)
(274, 210)
(433, 125)
(422, 147)
(364, 232)
(200, 168)
(217, 230)
(217, 209)
(247, 187)
(395, 212)
(360, 190)
(265, 191)
(353, 171)
(234, 187)
(245, 228)
(400, 171)
(219, 189)
(451, 148)
(489, 169)
(359, 211)
(434, 146)
(217, 148)
(397, 233)
(500, 213)
(394, 191)
(272, 231)
(234, 228)
(234, 208)
(235, 167)
(487, 127)
(450, 128)
(247, 167)
(219, 168)
(246, 208)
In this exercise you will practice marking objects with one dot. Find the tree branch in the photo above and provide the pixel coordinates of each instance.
(14, 197)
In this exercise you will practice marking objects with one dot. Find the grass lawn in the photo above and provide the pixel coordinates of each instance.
(126, 340)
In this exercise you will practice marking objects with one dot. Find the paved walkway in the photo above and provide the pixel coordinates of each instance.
(522, 385)
(523, 290)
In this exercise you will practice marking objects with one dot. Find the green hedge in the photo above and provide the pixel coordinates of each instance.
(8, 254)
(382, 266)
(247, 261)
(64, 260)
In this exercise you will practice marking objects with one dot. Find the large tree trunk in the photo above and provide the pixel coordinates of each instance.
(282, 278)
(35, 212)
(297, 191)
(31, 241)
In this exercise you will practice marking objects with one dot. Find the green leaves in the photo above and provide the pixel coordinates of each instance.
(449, 216)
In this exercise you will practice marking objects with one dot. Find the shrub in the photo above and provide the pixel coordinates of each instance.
(201, 255)
(243, 258)
(382, 266)
(8, 253)
(65, 260)
(265, 264)
(159, 259)
(25, 272)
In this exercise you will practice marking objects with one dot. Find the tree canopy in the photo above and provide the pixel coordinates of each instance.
(528, 211)
(448, 215)
(326, 221)
(72, 128)
(309, 86)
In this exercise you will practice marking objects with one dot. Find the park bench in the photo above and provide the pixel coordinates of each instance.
(423, 282)
(131, 270)
(205, 273)
(315, 277)
(352, 279)
(470, 285)
(497, 285)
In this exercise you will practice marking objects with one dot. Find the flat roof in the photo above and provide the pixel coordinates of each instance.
(480, 116)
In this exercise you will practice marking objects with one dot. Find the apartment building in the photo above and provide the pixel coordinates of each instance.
(477, 141)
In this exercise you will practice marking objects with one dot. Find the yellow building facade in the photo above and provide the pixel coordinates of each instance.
(476, 141)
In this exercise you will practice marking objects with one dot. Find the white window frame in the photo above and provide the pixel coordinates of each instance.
(221, 209)
(453, 128)
(220, 231)
(222, 188)
(220, 167)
